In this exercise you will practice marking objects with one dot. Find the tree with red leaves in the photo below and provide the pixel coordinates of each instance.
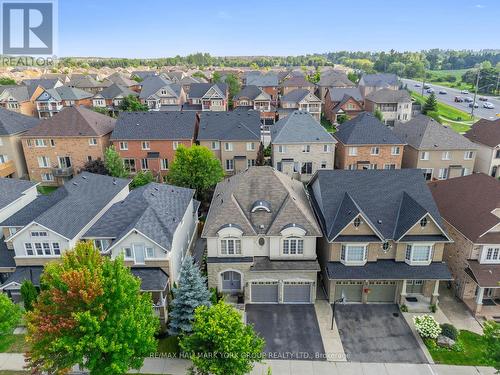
(90, 312)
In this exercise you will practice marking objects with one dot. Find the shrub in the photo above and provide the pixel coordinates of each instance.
(426, 326)
(449, 330)
(29, 294)
(404, 308)
(433, 308)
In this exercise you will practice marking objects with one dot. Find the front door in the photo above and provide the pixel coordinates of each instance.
(414, 286)
(139, 254)
(231, 281)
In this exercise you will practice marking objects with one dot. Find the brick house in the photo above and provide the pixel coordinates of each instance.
(160, 94)
(52, 101)
(267, 82)
(147, 140)
(395, 105)
(57, 148)
(365, 143)
(470, 206)
(342, 101)
(233, 137)
(88, 83)
(301, 99)
(369, 83)
(486, 135)
(111, 97)
(296, 83)
(120, 79)
(252, 97)
(332, 79)
(20, 99)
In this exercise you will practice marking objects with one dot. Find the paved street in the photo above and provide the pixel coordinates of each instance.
(450, 96)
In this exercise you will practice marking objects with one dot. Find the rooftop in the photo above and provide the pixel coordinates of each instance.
(236, 126)
(300, 127)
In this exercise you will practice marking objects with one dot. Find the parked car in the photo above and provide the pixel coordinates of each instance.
(468, 100)
(464, 92)
(459, 99)
(483, 99)
(417, 84)
(443, 92)
(426, 86)
(475, 105)
(430, 91)
(488, 105)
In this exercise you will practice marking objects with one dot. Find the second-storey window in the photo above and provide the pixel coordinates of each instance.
(395, 150)
(281, 149)
(129, 164)
(40, 143)
(215, 145)
(327, 148)
(306, 148)
(43, 161)
(418, 253)
(250, 146)
(424, 155)
(468, 155)
(293, 246)
(228, 146)
(92, 141)
(492, 254)
(354, 253)
(175, 145)
(375, 151)
(446, 155)
(353, 151)
(230, 246)
(145, 145)
(123, 145)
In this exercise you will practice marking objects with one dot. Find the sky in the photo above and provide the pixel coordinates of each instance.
(163, 28)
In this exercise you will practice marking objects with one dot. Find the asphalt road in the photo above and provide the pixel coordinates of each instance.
(448, 98)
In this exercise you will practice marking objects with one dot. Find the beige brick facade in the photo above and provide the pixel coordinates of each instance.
(240, 154)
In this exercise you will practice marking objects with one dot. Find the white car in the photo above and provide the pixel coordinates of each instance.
(464, 92)
(488, 105)
(430, 91)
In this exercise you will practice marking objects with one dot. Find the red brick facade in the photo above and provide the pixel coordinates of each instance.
(364, 156)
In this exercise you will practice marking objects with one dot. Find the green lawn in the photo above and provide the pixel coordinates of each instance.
(46, 189)
(327, 125)
(13, 344)
(474, 351)
(169, 345)
(8, 372)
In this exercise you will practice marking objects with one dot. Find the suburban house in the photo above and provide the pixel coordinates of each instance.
(20, 99)
(437, 150)
(207, 97)
(301, 99)
(253, 98)
(383, 237)
(187, 81)
(111, 97)
(332, 79)
(12, 126)
(153, 227)
(64, 78)
(234, 138)
(88, 83)
(142, 74)
(395, 105)
(340, 102)
(266, 82)
(15, 195)
(261, 238)
(52, 101)
(49, 225)
(301, 146)
(486, 135)
(297, 83)
(365, 143)
(121, 79)
(147, 141)
(369, 83)
(57, 148)
(470, 207)
(160, 94)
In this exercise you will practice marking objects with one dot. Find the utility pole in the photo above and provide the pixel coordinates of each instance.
(498, 81)
(423, 83)
(475, 93)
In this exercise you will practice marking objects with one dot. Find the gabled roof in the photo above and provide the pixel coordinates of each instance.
(262, 80)
(155, 210)
(389, 199)
(366, 129)
(46, 83)
(468, 203)
(152, 84)
(335, 78)
(235, 197)
(379, 80)
(198, 90)
(297, 95)
(120, 79)
(13, 189)
(20, 93)
(74, 122)
(251, 92)
(154, 125)
(72, 206)
(300, 127)
(486, 132)
(86, 81)
(236, 126)
(116, 90)
(338, 93)
(297, 81)
(423, 133)
(64, 93)
(143, 74)
(389, 96)
(12, 122)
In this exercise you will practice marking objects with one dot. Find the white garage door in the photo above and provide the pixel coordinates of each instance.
(264, 292)
(297, 292)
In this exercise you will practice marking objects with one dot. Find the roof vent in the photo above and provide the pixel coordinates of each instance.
(74, 183)
(157, 189)
(84, 177)
(379, 221)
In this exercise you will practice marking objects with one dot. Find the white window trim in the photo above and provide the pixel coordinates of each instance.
(91, 142)
(296, 239)
(424, 155)
(398, 148)
(466, 155)
(446, 155)
(375, 148)
(484, 252)
(145, 145)
(230, 238)
(355, 262)
(352, 151)
(123, 146)
(420, 262)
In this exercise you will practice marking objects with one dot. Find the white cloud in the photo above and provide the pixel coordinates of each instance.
(480, 6)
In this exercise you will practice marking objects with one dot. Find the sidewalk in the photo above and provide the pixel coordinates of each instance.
(14, 361)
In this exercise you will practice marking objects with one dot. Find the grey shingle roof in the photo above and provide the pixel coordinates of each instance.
(263, 80)
(197, 90)
(115, 90)
(121, 79)
(387, 269)
(152, 84)
(297, 81)
(300, 127)
(423, 133)
(389, 96)
(295, 96)
(237, 126)
(266, 264)
(391, 200)
(234, 198)
(153, 279)
(379, 79)
(12, 189)
(6, 255)
(155, 210)
(46, 83)
(335, 78)
(20, 93)
(338, 93)
(155, 125)
(74, 122)
(72, 206)
(23, 273)
(66, 93)
(143, 74)
(366, 129)
(250, 92)
(12, 122)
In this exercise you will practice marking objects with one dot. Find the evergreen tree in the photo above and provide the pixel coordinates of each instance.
(430, 104)
(190, 293)
(260, 155)
(29, 294)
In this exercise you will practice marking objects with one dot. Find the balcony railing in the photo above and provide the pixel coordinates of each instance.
(7, 168)
(62, 172)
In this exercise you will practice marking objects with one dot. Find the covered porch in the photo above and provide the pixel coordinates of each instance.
(486, 300)
(154, 280)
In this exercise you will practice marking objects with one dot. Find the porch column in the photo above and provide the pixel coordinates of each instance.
(402, 297)
(435, 293)
(479, 299)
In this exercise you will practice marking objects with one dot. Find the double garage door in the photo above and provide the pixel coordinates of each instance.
(293, 292)
(379, 291)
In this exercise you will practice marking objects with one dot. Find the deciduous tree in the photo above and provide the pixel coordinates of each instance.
(95, 166)
(131, 103)
(141, 178)
(114, 163)
(378, 115)
(10, 314)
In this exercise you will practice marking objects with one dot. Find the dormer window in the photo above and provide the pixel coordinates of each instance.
(261, 206)
(423, 222)
(230, 246)
(357, 222)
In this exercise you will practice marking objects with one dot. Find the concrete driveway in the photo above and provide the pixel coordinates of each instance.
(290, 331)
(371, 333)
